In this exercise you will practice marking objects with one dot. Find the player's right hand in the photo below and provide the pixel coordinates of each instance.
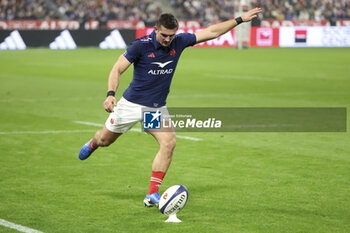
(253, 13)
(109, 103)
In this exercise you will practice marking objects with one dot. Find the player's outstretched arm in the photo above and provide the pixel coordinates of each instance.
(217, 30)
(119, 67)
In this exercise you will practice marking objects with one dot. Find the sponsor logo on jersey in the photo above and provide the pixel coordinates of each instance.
(162, 65)
(159, 72)
(162, 71)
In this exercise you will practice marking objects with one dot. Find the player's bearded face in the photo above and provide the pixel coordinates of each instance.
(164, 36)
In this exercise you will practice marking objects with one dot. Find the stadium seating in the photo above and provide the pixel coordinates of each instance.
(207, 11)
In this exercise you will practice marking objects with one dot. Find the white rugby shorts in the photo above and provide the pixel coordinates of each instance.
(126, 114)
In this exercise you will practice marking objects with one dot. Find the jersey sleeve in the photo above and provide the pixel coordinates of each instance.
(187, 39)
(133, 52)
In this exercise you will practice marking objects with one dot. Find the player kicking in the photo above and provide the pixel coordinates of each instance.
(155, 57)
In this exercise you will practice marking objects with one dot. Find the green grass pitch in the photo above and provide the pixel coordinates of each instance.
(237, 182)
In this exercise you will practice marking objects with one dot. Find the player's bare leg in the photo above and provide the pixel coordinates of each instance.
(102, 138)
(161, 163)
(105, 137)
(167, 143)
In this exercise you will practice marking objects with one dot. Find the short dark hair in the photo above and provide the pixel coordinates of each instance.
(168, 21)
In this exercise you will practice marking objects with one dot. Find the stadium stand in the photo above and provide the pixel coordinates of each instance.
(26, 10)
(79, 10)
(209, 10)
(147, 10)
(306, 9)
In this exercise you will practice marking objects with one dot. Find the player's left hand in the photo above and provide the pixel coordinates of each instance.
(109, 103)
(248, 16)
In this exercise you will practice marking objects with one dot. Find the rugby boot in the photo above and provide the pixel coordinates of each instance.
(86, 151)
(152, 200)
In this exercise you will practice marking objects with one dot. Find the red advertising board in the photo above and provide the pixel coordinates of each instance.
(66, 24)
(264, 37)
(39, 24)
(226, 40)
(189, 23)
(124, 24)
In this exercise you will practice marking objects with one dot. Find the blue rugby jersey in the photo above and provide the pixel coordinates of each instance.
(154, 67)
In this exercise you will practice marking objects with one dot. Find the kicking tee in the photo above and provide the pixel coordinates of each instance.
(154, 68)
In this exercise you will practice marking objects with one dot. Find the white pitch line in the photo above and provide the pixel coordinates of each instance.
(18, 227)
(189, 138)
(134, 130)
(47, 132)
(245, 77)
(88, 123)
(44, 100)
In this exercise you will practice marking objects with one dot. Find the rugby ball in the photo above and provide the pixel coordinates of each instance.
(173, 200)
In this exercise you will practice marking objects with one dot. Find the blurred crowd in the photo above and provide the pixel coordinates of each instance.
(212, 10)
(26, 9)
(204, 10)
(305, 9)
(101, 10)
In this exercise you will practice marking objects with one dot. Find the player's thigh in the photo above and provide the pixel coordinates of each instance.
(164, 138)
(125, 115)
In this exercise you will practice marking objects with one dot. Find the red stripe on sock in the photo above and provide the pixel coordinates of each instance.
(91, 145)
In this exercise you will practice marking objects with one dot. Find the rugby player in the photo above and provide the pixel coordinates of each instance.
(155, 57)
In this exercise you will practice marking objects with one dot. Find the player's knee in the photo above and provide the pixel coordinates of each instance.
(103, 139)
(169, 145)
(104, 142)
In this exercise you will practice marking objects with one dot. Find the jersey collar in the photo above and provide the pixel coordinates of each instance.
(154, 40)
(156, 44)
